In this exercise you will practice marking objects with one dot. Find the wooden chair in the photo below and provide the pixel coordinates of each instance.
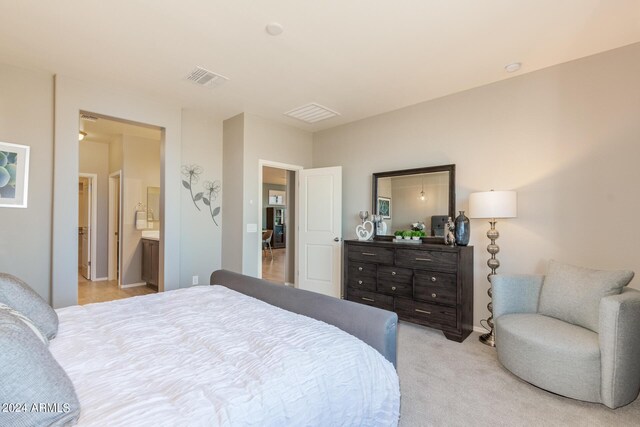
(266, 242)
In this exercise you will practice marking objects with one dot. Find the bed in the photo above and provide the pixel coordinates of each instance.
(242, 352)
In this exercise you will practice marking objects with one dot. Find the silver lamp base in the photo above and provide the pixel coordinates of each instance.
(488, 339)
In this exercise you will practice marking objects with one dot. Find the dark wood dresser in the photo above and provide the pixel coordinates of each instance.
(428, 284)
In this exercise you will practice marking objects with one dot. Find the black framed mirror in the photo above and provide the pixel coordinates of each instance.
(406, 197)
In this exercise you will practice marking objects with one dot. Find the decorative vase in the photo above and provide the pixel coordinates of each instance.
(462, 229)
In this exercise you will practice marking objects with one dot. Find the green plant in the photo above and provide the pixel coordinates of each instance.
(398, 233)
(406, 233)
(422, 233)
(416, 233)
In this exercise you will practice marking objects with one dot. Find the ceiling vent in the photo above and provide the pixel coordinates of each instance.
(311, 113)
(88, 117)
(203, 77)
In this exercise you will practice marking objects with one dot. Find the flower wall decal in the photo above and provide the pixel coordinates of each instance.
(191, 174)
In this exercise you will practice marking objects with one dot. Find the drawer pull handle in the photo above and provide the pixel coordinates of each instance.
(423, 311)
(368, 254)
(393, 273)
(359, 282)
(368, 299)
(359, 268)
(433, 295)
(423, 259)
(393, 288)
(433, 278)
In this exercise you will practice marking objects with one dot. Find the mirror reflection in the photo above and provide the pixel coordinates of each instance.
(414, 199)
(153, 203)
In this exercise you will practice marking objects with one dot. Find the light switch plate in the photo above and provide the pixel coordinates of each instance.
(252, 228)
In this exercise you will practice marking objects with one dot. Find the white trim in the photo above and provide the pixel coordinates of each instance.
(287, 167)
(101, 279)
(133, 285)
(93, 234)
(112, 268)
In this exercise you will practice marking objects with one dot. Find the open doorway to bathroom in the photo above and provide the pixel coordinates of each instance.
(119, 213)
(278, 231)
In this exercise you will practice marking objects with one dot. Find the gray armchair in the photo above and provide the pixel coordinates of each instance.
(601, 365)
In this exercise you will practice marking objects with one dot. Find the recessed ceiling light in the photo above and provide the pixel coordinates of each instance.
(274, 28)
(512, 68)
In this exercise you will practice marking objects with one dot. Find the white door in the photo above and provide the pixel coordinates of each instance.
(320, 230)
(85, 228)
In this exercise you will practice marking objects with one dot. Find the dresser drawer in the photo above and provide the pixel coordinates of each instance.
(362, 269)
(427, 314)
(427, 259)
(368, 253)
(371, 298)
(395, 281)
(431, 286)
(366, 283)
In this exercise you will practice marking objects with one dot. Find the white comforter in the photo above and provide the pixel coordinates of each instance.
(208, 355)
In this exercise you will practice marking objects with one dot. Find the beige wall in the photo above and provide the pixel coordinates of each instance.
(141, 169)
(26, 118)
(71, 97)
(201, 238)
(94, 158)
(566, 138)
(232, 195)
(247, 140)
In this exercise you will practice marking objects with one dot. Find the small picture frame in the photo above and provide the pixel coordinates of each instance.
(384, 207)
(277, 197)
(14, 175)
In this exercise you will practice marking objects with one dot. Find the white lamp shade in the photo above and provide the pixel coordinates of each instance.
(493, 204)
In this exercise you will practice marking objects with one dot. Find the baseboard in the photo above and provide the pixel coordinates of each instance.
(291, 285)
(101, 279)
(480, 330)
(133, 285)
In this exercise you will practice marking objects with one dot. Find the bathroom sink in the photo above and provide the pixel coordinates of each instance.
(151, 234)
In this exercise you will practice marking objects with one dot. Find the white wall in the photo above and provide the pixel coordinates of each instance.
(26, 118)
(72, 96)
(565, 138)
(201, 238)
(94, 158)
(141, 169)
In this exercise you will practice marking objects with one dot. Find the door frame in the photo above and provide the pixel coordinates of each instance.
(93, 221)
(113, 268)
(296, 169)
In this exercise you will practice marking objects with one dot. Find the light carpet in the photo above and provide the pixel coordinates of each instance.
(444, 383)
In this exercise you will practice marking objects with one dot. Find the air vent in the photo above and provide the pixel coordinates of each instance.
(311, 113)
(204, 77)
(88, 117)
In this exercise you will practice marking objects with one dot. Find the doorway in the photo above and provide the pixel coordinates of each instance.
(125, 161)
(277, 215)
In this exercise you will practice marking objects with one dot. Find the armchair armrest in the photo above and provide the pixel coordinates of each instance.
(515, 293)
(620, 347)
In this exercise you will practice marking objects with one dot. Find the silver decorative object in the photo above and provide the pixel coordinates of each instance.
(449, 236)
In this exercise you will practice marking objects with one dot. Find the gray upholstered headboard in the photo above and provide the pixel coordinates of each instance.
(372, 325)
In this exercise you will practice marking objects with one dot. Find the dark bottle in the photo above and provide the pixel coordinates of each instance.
(462, 230)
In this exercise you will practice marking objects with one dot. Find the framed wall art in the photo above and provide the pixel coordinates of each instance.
(14, 175)
(384, 207)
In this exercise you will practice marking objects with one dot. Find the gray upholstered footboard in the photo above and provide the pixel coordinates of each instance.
(372, 325)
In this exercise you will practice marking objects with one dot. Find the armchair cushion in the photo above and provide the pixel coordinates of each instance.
(573, 293)
(551, 354)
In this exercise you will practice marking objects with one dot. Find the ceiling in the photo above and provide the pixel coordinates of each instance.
(106, 130)
(274, 176)
(358, 57)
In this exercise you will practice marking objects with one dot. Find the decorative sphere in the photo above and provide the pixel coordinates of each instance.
(493, 249)
(493, 234)
(493, 263)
